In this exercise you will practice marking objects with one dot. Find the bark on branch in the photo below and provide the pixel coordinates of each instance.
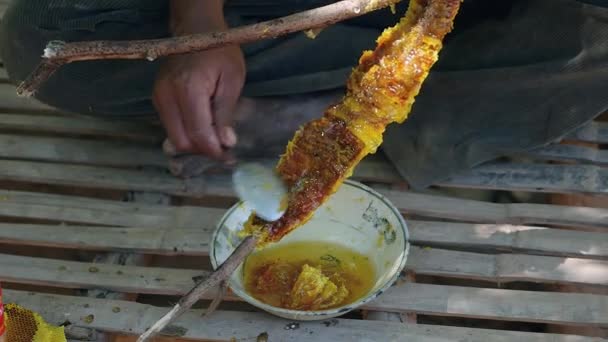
(216, 278)
(59, 53)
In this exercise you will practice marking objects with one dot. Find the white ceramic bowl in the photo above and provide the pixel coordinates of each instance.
(356, 217)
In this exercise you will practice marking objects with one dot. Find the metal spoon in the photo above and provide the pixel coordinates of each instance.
(257, 185)
(261, 188)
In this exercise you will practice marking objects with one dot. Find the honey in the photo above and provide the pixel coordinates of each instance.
(308, 275)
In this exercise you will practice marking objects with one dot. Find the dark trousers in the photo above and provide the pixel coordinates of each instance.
(513, 75)
(288, 65)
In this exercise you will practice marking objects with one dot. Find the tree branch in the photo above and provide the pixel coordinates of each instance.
(59, 53)
(217, 277)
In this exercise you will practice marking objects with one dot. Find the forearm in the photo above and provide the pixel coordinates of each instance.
(195, 16)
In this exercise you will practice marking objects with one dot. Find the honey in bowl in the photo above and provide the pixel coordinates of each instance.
(308, 275)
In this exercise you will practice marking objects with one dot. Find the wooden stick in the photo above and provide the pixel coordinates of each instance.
(58, 53)
(217, 277)
(218, 299)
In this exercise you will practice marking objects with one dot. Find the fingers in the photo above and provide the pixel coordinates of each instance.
(195, 104)
(224, 103)
(195, 96)
(185, 111)
(171, 117)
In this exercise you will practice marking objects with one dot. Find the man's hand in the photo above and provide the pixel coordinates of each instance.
(195, 94)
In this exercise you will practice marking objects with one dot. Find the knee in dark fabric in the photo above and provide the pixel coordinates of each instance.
(21, 38)
(93, 87)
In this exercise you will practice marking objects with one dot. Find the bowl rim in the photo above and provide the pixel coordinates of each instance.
(338, 310)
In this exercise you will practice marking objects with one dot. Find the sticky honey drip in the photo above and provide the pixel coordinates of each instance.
(380, 91)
